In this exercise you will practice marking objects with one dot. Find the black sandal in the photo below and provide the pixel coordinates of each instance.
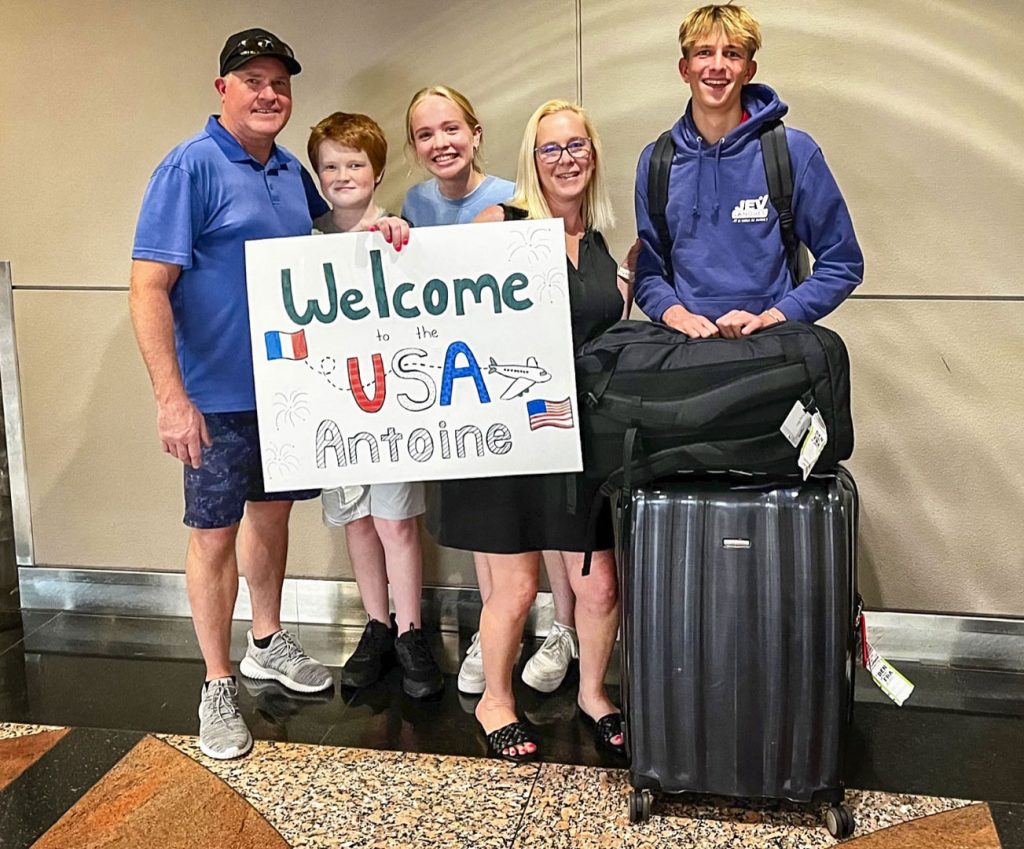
(509, 737)
(605, 729)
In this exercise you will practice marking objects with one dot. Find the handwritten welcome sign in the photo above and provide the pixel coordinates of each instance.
(450, 359)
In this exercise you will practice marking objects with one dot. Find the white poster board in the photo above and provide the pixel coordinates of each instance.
(450, 359)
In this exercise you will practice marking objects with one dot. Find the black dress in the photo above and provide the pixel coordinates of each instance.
(512, 515)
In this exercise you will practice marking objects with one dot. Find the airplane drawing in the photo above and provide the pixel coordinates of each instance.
(523, 377)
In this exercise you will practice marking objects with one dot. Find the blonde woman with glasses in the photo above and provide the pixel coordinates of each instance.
(512, 520)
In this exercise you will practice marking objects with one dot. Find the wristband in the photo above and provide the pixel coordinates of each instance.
(625, 274)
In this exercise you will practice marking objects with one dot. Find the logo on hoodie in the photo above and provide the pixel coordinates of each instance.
(751, 210)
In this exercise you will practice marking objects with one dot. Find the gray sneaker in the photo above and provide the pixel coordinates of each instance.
(284, 661)
(222, 731)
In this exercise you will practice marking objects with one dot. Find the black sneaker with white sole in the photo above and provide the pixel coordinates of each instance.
(369, 662)
(421, 676)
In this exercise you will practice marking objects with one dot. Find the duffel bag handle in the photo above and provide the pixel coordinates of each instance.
(703, 409)
(698, 456)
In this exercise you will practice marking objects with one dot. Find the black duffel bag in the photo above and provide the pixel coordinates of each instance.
(654, 402)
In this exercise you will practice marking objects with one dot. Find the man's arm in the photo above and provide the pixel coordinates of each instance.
(180, 424)
(655, 292)
(822, 222)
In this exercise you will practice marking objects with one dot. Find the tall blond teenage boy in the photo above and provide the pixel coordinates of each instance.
(729, 271)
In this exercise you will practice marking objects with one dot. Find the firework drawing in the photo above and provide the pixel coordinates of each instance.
(280, 459)
(534, 243)
(552, 285)
(290, 408)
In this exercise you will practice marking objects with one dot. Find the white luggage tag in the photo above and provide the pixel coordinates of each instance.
(888, 678)
(814, 444)
(796, 423)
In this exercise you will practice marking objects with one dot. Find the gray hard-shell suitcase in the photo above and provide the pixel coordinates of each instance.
(739, 629)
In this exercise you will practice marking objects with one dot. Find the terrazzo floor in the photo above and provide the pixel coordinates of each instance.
(96, 715)
(164, 793)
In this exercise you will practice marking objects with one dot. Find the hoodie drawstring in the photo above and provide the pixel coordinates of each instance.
(700, 163)
(718, 157)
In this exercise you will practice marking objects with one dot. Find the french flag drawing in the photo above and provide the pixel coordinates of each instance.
(285, 346)
(549, 413)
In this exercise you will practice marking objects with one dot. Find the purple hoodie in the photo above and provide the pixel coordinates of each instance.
(727, 251)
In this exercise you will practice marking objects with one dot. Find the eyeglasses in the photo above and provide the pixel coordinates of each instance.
(259, 46)
(577, 149)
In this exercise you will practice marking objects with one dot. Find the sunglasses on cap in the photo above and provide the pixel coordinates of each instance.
(244, 46)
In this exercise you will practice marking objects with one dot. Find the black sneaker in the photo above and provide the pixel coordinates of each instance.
(421, 676)
(366, 664)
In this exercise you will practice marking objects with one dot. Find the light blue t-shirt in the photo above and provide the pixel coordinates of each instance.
(203, 202)
(425, 206)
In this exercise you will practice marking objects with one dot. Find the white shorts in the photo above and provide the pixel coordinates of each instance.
(393, 501)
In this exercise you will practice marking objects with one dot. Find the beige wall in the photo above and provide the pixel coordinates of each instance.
(914, 104)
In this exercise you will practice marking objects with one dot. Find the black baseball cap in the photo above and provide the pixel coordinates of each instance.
(252, 43)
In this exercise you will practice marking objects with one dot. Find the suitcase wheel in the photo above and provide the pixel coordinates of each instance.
(840, 822)
(639, 805)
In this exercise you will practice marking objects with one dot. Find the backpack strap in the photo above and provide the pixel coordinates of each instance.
(514, 213)
(657, 194)
(779, 172)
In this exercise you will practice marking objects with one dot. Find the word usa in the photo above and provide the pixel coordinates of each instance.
(406, 370)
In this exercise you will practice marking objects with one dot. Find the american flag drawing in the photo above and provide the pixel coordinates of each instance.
(549, 413)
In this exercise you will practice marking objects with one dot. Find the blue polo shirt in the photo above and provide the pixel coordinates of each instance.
(203, 202)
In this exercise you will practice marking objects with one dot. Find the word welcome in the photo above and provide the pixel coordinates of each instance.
(435, 296)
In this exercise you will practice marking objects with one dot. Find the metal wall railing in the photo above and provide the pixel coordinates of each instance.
(8, 569)
(15, 531)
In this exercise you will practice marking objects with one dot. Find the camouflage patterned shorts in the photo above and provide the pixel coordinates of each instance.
(231, 474)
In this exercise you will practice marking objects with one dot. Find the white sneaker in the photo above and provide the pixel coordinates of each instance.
(546, 670)
(471, 673)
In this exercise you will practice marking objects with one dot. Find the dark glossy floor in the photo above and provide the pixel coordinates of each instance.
(960, 735)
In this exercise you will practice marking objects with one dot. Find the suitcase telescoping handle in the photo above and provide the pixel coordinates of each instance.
(703, 409)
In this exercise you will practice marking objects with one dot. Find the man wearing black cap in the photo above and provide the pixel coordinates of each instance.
(189, 308)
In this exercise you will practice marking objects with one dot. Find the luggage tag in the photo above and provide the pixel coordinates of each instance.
(888, 678)
(814, 444)
(796, 423)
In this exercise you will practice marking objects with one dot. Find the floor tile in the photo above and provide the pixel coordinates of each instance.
(960, 735)
(970, 827)
(42, 793)
(1009, 821)
(936, 752)
(9, 730)
(18, 753)
(157, 797)
(321, 796)
(574, 806)
(156, 695)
